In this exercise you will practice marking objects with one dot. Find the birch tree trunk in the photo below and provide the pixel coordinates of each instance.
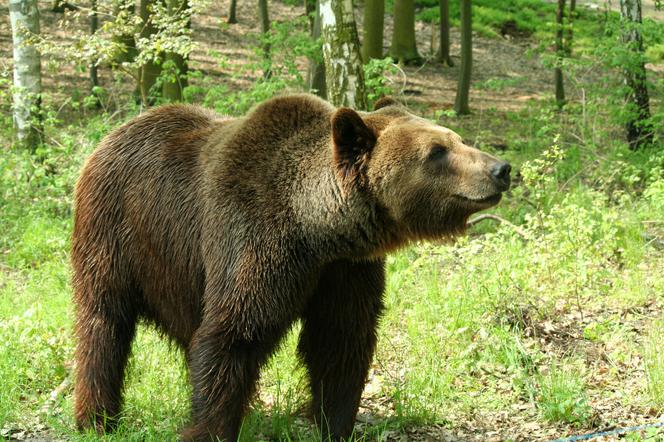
(638, 125)
(374, 17)
(24, 17)
(341, 52)
(465, 70)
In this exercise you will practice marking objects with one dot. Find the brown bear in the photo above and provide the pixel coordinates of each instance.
(223, 232)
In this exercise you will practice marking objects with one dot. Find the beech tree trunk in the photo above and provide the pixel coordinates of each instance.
(443, 54)
(24, 17)
(265, 30)
(404, 46)
(463, 88)
(560, 54)
(639, 127)
(316, 72)
(372, 41)
(341, 52)
(174, 84)
(232, 19)
(569, 35)
(150, 71)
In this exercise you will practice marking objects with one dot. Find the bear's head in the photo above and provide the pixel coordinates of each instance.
(424, 176)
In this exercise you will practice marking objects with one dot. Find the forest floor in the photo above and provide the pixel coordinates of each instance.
(475, 363)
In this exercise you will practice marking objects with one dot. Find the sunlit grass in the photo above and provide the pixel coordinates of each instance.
(562, 395)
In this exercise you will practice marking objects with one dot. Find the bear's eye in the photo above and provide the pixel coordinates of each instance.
(437, 153)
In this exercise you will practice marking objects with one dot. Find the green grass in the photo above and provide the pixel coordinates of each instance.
(654, 363)
(462, 331)
(562, 395)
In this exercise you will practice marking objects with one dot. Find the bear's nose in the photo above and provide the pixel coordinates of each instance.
(501, 175)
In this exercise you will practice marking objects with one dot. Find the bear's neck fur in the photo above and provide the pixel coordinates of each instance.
(331, 219)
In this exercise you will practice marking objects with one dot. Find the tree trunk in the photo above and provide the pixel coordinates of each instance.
(639, 127)
(560, 54)
(232, 19)
(316, 73)
(265, 33)
(61, 5)
(372, 41)
(94, 25)
(404, 46)
(443, 55)
(148, 72)
(24, 17)
(341, 52)
(177, 81)
(569, 35)
(463, 89)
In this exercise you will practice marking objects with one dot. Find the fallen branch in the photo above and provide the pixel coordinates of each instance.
(485, 216)
(53, 396)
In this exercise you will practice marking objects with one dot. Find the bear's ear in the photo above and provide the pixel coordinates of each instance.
(384, 102)
(353, 142)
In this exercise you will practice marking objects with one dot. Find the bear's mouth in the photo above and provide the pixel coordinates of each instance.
(487, 201)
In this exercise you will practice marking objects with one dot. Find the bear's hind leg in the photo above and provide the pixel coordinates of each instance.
(338, 340)
(105, 327)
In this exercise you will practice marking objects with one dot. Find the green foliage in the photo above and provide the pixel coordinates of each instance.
(376, 77)
(524, 17)
(562, 397)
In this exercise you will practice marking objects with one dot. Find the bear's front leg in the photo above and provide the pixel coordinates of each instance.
(338, 341)
(224, 369)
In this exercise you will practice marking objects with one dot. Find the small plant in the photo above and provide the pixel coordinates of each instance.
(376, 79)
(562, 396)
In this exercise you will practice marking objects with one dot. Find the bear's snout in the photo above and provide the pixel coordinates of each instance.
(500, 173)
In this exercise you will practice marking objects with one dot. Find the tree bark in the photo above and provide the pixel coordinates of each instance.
(404, 46)
(175, 84)
(560, 55)
(149, 72)
(443, 55)
(265, 31)
(569, 35)
(24, 17)
(316, 72)
(61, 5)
(94, 25)
(341, 52)
(232, 19)
(372, 41)
(639, 127)
(463, 88)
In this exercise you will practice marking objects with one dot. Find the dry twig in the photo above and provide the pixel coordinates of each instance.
(484, 216)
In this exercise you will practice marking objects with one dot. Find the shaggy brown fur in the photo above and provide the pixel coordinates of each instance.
(223, 232)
